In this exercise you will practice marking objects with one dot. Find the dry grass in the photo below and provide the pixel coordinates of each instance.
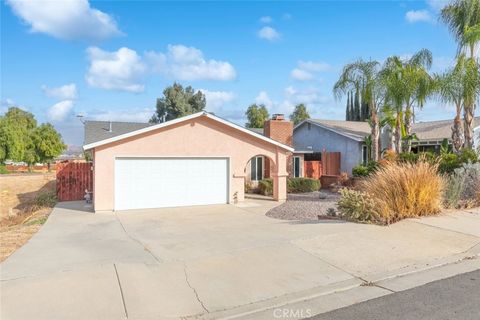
(24, 207)
(405, 190)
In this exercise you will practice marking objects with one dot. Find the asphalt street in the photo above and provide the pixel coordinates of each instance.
(452, 298)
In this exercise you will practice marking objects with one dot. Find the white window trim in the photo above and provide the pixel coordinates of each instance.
(256, 164)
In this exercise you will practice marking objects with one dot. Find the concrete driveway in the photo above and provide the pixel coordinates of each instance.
(211, 261)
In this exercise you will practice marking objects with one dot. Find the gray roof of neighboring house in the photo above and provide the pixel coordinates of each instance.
(99, 130)
(257, 130)
(357, 130)
(437, 130)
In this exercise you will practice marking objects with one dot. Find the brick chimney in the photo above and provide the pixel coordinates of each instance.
(279, 129)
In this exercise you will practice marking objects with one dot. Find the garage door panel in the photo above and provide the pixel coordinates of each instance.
(170, 182)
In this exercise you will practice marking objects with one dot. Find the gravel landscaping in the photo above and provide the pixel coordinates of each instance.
(305, 206)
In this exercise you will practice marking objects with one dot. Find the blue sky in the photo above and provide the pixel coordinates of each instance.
(110, 60)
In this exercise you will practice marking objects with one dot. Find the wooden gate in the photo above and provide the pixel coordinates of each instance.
(73, 179)
(331, 163)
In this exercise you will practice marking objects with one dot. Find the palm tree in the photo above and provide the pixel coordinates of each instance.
(408, 85)
(364, 74)
(449, 87)
(463, 20)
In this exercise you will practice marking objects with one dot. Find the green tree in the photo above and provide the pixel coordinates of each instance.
(178, 102)
(256, 116)
(408, 85)
(22, 140)
(364, 74)
(463, 19)
(48, 143)
(356, 106)
(299, 114)
(15, 134)
(348, 111)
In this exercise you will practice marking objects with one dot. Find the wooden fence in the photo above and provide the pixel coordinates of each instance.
(73, 179)
(312, 169)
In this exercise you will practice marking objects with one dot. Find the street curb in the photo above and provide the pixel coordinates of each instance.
(342, 294)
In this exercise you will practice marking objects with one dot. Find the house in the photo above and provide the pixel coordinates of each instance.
(194, 160)
(348, 138)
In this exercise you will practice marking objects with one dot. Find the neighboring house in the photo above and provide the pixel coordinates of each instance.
(194, 160)
(348, 138)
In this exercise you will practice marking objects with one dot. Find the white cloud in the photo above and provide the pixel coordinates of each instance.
(217, 99)
(188, 63)
(437, 5)
(301, 75)
(266, 19)
(269, 33)
(413, 16)
(71, 20)
(65, 92)
(117, 70)
(125, 69)
(305, 70)
(314, 66)
(59, 111)
(263, 98)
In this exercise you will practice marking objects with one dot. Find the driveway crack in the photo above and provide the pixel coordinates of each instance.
(121, 292)
(193, 289)
(136, 240)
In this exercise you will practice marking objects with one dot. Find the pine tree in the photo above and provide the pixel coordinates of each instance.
(358, 115)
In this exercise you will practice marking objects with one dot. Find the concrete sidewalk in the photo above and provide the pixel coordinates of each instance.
(222, 261)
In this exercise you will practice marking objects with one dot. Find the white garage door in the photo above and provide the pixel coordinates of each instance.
(170, 182)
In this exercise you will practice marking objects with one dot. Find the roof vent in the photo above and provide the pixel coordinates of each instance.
(278, 116)
(110, 126)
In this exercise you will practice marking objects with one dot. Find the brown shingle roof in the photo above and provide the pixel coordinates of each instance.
(437, 130)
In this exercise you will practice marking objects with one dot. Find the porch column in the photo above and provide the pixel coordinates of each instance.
(280, 177)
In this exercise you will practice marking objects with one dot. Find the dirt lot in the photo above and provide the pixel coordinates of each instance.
(19, 218)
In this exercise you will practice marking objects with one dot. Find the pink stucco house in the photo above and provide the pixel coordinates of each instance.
(194, 160)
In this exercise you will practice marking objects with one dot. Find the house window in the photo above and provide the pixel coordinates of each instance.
(256, 172)
(296, 167)
(364, 155)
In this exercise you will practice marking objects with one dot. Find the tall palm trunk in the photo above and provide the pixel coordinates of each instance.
(375, 134)
(468, 115)
(458, 137)
(398, 133)
(408, 126)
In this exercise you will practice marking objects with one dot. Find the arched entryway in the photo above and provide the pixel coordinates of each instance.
(258, 175)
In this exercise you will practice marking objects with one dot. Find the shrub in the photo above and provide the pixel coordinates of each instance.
(470, 173)
(45, 199)
(365, 170)
(3, 169)
(468, 156)
(360, 171)
(453, 191)
(448, 163)
(404, 190)
(265, 187)
(360, 207)
(408, 157)
(299, 185)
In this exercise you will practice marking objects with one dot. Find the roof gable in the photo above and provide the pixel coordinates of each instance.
(150, 128)
(355, 130)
